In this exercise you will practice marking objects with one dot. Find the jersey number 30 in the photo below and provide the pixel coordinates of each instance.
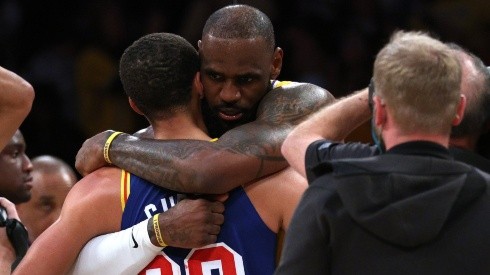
(207, 260)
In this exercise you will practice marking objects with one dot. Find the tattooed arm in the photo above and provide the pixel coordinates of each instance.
(242, 154)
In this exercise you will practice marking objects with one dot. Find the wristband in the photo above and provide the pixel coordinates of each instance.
(108, 144)
(158, 234)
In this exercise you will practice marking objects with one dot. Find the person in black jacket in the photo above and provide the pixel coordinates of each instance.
(406, 206)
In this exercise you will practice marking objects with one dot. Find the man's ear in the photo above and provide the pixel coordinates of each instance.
(379, 111)
(134, 107)
(276, 63)
(199, 42)
(197, 85)
(460, 111)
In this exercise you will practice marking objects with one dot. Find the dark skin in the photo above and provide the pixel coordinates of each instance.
(236, 75)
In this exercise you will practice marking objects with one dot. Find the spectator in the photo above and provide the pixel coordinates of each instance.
(52, 179)
(15, 187)
(475, 85)
(15, 168)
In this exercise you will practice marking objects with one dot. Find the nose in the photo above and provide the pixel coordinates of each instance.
(230, 93)
(26, 163)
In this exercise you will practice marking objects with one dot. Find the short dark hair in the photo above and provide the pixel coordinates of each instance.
(240, 22)
(477, 111)
(157, 71)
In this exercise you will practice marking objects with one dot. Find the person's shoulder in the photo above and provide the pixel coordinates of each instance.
(470, 158)
(103, 174)
(298, 87)
(298, 93)
(99, 181)
(101, 188)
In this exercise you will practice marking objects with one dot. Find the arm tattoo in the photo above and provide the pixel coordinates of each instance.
(241, 155)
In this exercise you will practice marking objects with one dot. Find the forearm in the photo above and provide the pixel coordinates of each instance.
(7, 257)
(333, 122)
(190, 166)
(169, 164)
(52, 255)
(16, 97)
(337, 121)
(123, 252)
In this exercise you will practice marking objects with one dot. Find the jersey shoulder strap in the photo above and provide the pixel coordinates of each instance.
(277, 83)
(125, 187)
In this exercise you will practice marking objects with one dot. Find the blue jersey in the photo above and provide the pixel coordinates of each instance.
(245, 244)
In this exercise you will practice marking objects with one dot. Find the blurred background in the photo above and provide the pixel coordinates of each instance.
(69, 50)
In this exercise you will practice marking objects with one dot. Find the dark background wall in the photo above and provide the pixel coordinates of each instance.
(69, 50)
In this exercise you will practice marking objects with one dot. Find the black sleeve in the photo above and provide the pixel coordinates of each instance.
(307, 246)
(322, 151)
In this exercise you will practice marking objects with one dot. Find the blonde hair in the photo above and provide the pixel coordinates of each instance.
(418, 78)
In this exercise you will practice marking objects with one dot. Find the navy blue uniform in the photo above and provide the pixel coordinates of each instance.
(245, 244)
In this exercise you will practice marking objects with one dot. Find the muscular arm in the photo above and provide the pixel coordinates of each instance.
(191, 223)
(16, 96)
(87, 212)
(333, 122)
(241, 155)
(116, 253)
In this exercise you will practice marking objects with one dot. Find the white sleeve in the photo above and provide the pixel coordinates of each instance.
(123, 252)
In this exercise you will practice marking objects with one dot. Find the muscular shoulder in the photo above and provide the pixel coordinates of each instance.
(301, 88)
(101, 186)
(293, 101)
(287, 187)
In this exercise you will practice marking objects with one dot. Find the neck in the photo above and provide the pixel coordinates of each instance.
(392, 139)
(180, 126)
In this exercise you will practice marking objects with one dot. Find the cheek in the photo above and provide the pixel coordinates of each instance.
(211, 91)
(8, 170)
(45, 221)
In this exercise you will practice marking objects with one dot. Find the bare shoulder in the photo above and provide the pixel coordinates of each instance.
(284, 181)
(99, 187)
(275, 197)
(293, 101)
(287, 180)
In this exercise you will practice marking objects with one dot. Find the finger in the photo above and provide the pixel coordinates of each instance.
(217, 207)
(218, 219)
(210, 239)
(10, 207)
(214, 229)
(221, 197)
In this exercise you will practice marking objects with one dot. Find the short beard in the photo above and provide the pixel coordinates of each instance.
(217, 126)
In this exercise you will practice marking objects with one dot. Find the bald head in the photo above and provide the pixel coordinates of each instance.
(475, 85)
(52, 179)
(240, 22)
(53, 165)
